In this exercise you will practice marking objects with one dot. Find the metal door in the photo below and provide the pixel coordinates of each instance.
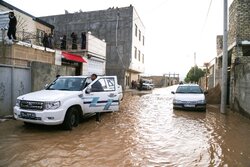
(14, 82)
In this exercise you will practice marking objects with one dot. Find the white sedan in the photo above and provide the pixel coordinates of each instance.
(189, 96)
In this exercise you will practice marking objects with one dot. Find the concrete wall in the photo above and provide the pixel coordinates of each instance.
(43, 73)
(19, 55)
(241, 87)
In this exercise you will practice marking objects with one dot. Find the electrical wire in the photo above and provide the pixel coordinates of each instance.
(208, 11)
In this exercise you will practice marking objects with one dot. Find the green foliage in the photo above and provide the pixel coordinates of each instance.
(194, 74)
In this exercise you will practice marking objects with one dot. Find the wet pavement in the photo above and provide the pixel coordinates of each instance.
(145, 132)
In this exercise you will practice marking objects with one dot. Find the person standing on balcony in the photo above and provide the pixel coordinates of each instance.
(51, 41)
(12, 26)
(63, 42)
(83, 35)
(45, 41)
(74, 40)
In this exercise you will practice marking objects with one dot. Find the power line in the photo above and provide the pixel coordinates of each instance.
(208, 11)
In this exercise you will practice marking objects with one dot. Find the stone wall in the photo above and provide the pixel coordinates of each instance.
(239, 17)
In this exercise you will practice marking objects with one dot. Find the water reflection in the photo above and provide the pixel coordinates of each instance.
(146, 132)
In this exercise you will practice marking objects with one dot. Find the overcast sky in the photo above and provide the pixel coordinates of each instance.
(175, 29)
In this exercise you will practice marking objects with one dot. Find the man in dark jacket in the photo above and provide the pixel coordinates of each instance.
(97, 86)
(12, 26)
(63, 42)
(83, 35)
(45, 41)
(74, 40)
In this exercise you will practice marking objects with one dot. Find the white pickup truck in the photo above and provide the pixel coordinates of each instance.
(67, 99)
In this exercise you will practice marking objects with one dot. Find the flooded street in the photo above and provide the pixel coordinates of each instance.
(145, 132)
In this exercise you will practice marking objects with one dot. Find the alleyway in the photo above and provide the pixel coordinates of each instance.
(146, 132)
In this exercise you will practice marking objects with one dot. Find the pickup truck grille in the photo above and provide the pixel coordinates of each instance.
(31, 105)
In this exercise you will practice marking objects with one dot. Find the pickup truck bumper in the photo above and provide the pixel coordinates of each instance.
(45, 117)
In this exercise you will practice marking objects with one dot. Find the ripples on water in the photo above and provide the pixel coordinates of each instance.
(146, 132)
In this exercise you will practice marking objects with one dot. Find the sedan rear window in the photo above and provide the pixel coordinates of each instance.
(189, 89)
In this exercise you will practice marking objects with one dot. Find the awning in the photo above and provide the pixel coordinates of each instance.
(73, 57)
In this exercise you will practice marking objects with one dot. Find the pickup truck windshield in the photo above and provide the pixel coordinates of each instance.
(67, 84)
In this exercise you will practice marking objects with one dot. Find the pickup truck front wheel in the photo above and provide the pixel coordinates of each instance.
(71, 119)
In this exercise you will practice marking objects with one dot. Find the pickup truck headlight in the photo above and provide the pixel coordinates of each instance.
(52, 105)
(17, 102)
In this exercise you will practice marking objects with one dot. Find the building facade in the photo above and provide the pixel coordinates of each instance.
(122, 30)
(93, 54)
(29, 28)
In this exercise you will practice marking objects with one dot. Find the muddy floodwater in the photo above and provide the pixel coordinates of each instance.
(145, 132)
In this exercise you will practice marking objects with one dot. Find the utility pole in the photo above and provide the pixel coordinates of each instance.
(224, 63)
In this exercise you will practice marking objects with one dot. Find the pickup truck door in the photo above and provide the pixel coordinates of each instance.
(101, 99)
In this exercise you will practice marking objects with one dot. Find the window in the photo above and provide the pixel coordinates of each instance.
(142, 58)
(136, 30)
(98, 86)
(139, 55)
(143, 40)
(139, 35)
(104, 84)
(189, 89)
(67, 84)
(110, 84)
(135, 53)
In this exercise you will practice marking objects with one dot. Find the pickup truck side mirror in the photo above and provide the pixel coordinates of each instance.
(88, 90)
(172, 92)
